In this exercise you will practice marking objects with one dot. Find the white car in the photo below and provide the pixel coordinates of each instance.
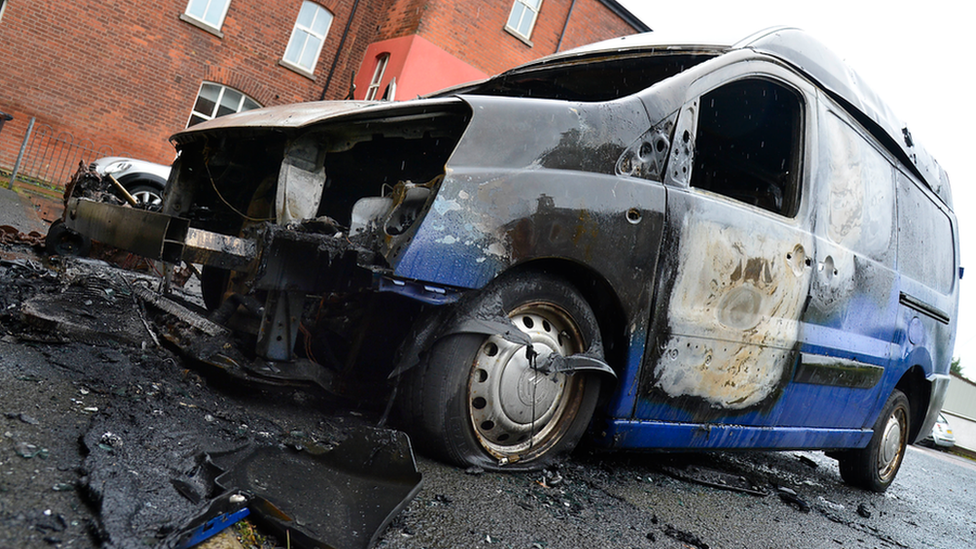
(941, 436)
(144, 180)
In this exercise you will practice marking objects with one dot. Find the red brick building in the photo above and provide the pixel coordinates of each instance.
(121, 77)
(426, 45)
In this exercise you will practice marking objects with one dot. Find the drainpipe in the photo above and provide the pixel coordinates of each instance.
(565, 25)
(342, 42)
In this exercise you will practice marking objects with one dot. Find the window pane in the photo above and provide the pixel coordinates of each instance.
(294, 49)
(230, 103)
(207, 100)
(307, 37)
(312, 45)
(307, 15)
(215, 100)
(513, 20)
(322, 21)
(197, 8)
(526, 27)
(534, 4)
(210, 11)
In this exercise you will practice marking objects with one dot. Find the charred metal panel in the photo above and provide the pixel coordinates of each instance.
(734, 283)
(159, 236)
(531, 134)
(533, 201)
(294, 261)
(734, 308)
(226, 252)
(481, 224)
(300, 180)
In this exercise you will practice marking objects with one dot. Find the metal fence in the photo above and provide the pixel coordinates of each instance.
(48, 157)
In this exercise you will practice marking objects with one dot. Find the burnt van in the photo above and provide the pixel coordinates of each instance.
(667, 246)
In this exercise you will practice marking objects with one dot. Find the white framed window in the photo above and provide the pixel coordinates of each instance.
(523, 16)
(374, 84)
(307, 37)
(216, 100)
(209, 12)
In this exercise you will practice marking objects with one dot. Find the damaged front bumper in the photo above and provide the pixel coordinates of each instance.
(281, 264)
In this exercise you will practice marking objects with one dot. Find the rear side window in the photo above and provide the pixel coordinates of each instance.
(925, 245)
(748, 144)
(860, 191)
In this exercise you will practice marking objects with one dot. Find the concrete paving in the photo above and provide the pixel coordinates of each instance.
(19, 212)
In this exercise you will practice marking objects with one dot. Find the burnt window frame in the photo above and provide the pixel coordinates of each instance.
(791, 199)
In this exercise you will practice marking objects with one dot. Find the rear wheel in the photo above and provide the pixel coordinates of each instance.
(874, 467)
(478, 400)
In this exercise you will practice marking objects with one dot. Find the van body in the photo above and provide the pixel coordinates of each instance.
(675, 247)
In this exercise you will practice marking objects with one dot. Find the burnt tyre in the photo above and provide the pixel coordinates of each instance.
(483, 400)
(63, 241)
(874, 467)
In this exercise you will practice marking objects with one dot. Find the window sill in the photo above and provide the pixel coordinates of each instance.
(201, 25)
(521, 38)
(300, 70)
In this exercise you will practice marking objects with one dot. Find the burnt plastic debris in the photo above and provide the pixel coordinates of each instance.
(341, 498)
(222, 513)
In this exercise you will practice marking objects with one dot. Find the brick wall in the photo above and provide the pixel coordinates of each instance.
(474, 30)
(125, 74)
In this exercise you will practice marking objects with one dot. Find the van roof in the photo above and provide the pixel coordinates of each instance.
(808, 56)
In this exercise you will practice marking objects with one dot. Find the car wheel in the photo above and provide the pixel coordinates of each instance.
(63, 241)
(477, 400)
(147, 196)
(874, 468)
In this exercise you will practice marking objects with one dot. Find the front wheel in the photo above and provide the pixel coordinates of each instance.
(147, 196)
(874, 467)
(480, 400)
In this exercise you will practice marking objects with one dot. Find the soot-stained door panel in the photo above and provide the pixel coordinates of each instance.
(737, 266)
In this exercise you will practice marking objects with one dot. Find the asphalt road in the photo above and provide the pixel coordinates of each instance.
(637, 501)
(64, 483)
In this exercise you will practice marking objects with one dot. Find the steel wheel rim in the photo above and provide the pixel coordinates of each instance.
(518, 413)
(892, 444)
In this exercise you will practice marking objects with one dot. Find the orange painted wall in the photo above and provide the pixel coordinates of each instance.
(419, 67)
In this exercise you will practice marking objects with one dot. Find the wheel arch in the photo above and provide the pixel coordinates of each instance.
(919, 392)
(143, 178)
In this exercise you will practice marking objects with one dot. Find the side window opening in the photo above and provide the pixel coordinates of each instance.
(748, 144)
